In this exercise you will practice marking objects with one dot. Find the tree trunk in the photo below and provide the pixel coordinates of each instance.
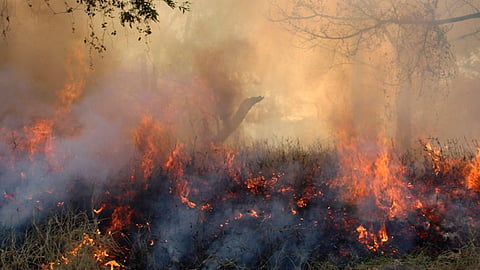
(234, 122)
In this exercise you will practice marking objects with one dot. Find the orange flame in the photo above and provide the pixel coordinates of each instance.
(99, 253)
(371, 240)
(148, 137)
(371, 171)
(472, 179)
(121, 218)
(113, 264)
(99, 210)
(174, 166)
(39, 136)
(75, 82)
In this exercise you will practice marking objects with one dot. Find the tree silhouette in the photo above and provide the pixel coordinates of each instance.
(416, 32)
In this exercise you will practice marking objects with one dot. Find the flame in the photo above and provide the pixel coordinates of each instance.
(99, 210)
(121, 218)
(39, 136)
(308, 193)
(369, 170)
(301, 202)
(113, 264)
(261, 184)
(437, 157)
(472, 179)
(232, 169)
(382, 233)
(77, 72)
(389, 189)
(148, 138)
(238, 216)
(254, 213)
(206, 207)
(255, 184)
(371, 240)
(87, 243)
(174, 166)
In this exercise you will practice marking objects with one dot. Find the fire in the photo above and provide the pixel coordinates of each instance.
(255, 184)
(112, 264)
(472, 178)
(174, 166)
(150, 140)
(75, 82)
(371, 240)
(369, 170)
(87, 244)
(301, 202)
(206, 207)
(230, 166)
(254, 213)
(382, 233)
(121, 218)
(369, 185)
(99, 210)
(437, 156)
(441, 163)
(39, 137)
(261, 184)
(309, 193)
(388, 186)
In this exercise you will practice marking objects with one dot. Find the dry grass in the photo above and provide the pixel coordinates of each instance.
(65, 240)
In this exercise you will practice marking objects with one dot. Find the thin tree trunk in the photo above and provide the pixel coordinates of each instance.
(234, 122)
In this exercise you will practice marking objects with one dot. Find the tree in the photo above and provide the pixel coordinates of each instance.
(413, 34)
(231, 124)
(102, 15)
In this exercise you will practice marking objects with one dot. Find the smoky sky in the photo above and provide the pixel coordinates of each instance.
(219, 53)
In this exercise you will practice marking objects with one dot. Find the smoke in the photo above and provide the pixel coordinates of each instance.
(187, 80)
(233, 51)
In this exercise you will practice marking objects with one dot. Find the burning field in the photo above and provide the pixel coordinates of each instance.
(217, 146)
(264, 206)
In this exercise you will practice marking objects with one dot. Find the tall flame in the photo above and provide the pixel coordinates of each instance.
(369, 170)
(472, 178)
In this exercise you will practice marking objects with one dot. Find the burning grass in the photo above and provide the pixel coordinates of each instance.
(64, 240)
(349, 205)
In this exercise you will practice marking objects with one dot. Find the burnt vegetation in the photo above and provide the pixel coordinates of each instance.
(265, 207)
